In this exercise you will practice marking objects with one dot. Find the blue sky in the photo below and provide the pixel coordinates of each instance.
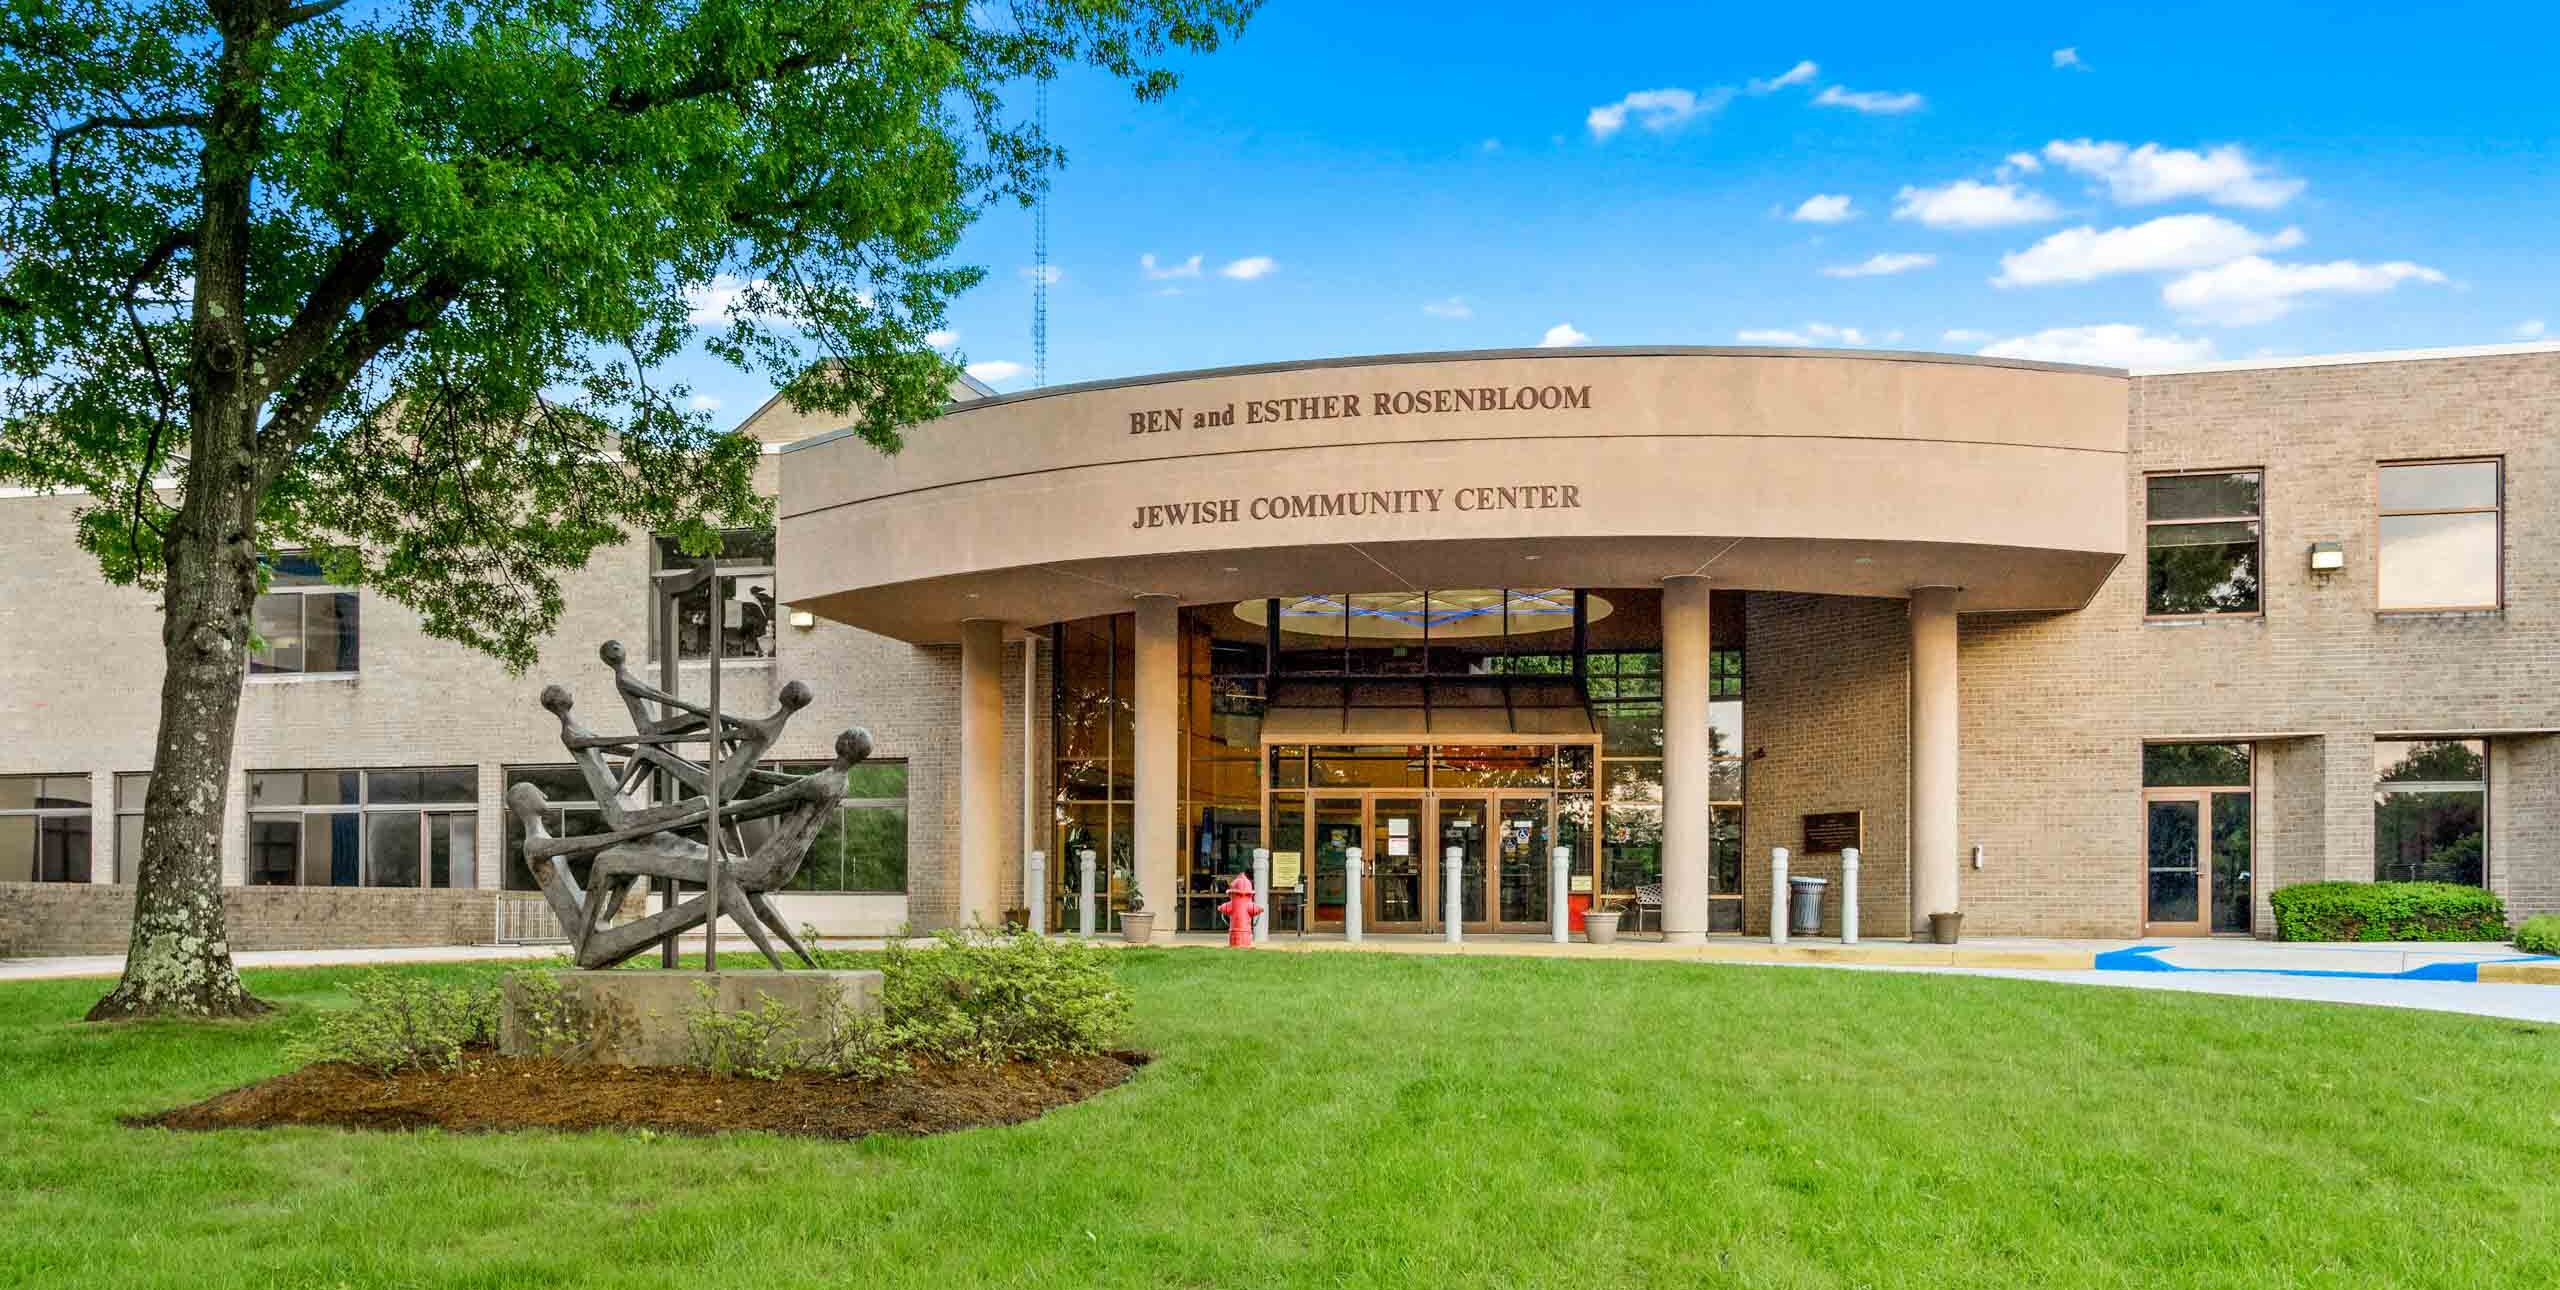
(2139, 185)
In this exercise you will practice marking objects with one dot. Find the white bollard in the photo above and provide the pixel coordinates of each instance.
(1262, 894)
(1035, 891)
(1777, 895)
(1849, 896)
(1453, 905)
(1351, 894)
(1559, 876)
(1084, 893)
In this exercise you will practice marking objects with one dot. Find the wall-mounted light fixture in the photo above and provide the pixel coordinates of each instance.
(2328, 557)
(803, 619)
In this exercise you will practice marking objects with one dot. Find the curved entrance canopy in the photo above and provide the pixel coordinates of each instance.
(1782, 470)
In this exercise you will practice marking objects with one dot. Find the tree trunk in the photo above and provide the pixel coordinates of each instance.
(179, 962)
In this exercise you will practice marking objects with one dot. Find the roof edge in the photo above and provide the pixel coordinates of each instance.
(2503, 350)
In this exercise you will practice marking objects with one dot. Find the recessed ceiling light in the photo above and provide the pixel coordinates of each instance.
(1231, 568)
(1528, 557)
(973, 595)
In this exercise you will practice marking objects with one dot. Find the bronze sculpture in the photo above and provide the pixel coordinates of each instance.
(644, 843)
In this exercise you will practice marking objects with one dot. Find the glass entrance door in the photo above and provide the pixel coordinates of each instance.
(1462, 826)
(1340, 824)
(2197, 862)
(1400, 885)
(1521, 839)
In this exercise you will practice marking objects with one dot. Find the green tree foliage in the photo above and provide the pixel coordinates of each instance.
(391, 280)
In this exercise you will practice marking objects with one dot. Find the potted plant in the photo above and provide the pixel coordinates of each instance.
(1137, 922)
(1600, 922)
(1943, 928)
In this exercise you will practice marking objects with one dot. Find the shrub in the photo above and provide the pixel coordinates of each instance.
(403, 1022)
(978, 997)
(2388, 911)
(761, 1042)
(2540, 934)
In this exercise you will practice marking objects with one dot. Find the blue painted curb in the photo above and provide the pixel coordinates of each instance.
(2140, 958)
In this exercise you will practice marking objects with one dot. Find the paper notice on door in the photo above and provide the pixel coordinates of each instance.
(1399, 846)
(1579, 884)
(1284, 870)
(1398, 827)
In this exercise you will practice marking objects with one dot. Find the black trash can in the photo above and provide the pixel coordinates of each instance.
(1804, 905)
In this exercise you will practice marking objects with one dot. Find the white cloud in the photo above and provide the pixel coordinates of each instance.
(1561, 335)
(2068, 57)
(1871, 102)
(1050, 274)
(1962, 336)
(2019, 163)
(1813, 333)
(1803, 72)
(1824, 208)
(1453, 307)
(2224, 176)
(1882, 264)
(2529, 329)
(713, 302)
(997, 370)
(703, 403)
(1249, 268)
(943, 338)
(1968, 203)
(2103, 345)
(2255, 289)
(2168, 244)
(1654, 110)
(1187, 269)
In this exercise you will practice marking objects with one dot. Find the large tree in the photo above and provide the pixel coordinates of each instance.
(390, 282)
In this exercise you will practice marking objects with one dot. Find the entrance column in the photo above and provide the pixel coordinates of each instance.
(1687, 760)
(1159, 754)
(982, 804)
(1933, 754)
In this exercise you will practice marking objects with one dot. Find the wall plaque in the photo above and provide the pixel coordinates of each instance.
(1831, 831)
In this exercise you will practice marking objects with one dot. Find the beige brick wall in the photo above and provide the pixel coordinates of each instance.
(1826, 719)
(59, 918)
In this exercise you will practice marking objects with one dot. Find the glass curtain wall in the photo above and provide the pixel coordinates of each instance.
(1225, 671)
(1622, 661)
(1093, 726)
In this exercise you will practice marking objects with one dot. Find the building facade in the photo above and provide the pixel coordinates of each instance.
(2067, 651)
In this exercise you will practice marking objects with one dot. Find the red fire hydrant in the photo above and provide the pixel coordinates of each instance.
(1240, 910)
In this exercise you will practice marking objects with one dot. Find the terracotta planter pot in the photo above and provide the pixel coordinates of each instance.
(1137, 927)
(1600, 926)
(1944, 927)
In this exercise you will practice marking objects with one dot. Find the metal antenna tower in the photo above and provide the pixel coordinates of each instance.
(1040, 255)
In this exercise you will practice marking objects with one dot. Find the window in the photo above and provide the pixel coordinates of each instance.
(572, 814)
(864, 848)
(130, 792)
(747, 611)
(370, 828)
(2203, 543)
(2439, 540)
(303, 624)
(44, 828)
(2430, 811)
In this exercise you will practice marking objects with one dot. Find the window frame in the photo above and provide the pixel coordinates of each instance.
(2497, 509)
(365, 809)
(302, 594)
(126, 818)
(2259, 521)
(2488, 772)
(85, 813)
(903, 805)
(741, 569)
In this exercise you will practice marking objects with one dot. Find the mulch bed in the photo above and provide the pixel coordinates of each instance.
(489, 1093)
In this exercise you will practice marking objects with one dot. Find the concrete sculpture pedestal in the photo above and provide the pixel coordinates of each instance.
(640, 1018)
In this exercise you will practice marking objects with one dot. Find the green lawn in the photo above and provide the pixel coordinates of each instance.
(1335, 1119)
